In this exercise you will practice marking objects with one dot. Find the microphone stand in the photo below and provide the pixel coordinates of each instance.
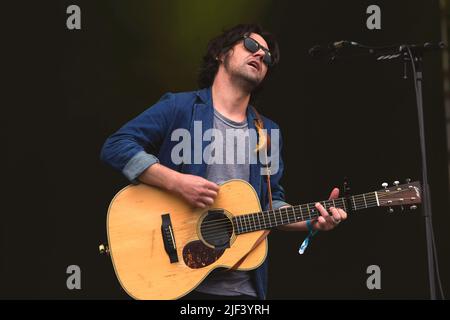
(413, 53)
(417, 64)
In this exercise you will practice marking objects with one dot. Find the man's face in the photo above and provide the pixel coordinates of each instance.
(244, 66)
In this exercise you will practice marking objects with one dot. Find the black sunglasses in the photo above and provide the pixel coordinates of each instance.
(253, 46)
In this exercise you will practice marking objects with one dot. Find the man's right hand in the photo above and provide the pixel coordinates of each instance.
(196, 190)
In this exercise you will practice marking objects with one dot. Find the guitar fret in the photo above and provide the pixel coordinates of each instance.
(373, 200)
(259, 221)
(274, 219)
(365, 202)
(309, 211)
(343, 203)
(376, 196)
(306, 212)
(264, 220)
(237, 224)
(254, 222)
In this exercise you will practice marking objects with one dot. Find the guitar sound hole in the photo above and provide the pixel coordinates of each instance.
(217, 229)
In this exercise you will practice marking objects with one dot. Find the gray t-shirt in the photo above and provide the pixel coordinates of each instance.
(233, 164)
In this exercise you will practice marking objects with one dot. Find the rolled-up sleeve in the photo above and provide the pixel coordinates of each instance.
(138, 164)
(133, 148)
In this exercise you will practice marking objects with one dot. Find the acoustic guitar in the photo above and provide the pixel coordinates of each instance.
(162, 248)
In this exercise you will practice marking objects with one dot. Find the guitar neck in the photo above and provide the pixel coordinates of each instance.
(278, 217)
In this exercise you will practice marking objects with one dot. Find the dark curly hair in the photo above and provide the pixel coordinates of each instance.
(224, 42)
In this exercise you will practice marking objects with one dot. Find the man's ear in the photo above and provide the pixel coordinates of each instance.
(221, 57)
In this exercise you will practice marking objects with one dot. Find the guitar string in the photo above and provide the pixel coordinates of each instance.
(212, 229)
(220, 223)
(212, 235)
(292, 215)
(360, 200)
(356, 201)
(214, 226)
(228, 228)
(268, 222)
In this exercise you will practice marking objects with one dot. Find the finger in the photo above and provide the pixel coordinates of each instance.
(343, 214)
(322, 224)
(199, 204)
(207, 200)
(334, 193)
(209, 193)
(335, 214)
(321, 209)
(212, 186)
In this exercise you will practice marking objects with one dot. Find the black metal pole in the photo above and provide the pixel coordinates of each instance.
(426, 195)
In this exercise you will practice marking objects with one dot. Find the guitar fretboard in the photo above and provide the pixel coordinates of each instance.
(277, 217)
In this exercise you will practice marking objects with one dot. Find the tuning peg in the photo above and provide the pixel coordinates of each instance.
(390, 210)
(103, 249)
(384, 185)
(413, 207)
(396, 183)
(403, 209)
(407, 180)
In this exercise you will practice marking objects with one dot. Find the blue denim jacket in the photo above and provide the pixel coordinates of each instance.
(145, 140)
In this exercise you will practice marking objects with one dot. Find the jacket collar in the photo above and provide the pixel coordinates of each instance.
(205, 96)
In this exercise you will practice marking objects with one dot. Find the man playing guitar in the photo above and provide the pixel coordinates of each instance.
(233, 68)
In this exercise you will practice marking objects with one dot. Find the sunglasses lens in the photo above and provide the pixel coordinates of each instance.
(251, 45)
(267, 58)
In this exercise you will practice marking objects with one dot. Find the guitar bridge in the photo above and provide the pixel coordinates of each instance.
(169, 238)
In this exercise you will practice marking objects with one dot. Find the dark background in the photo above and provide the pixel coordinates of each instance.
(68, 90)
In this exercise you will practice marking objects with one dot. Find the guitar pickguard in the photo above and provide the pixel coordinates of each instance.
(197, 255)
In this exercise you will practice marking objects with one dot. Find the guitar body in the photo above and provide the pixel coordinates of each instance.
(137, 247)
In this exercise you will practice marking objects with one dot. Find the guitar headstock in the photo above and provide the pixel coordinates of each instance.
(408, 194)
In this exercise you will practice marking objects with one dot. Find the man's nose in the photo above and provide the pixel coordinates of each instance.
(259, 54)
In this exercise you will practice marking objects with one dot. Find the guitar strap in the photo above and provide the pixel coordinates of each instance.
(263, 142)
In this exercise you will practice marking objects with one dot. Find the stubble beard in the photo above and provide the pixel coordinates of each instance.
(242, 76)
